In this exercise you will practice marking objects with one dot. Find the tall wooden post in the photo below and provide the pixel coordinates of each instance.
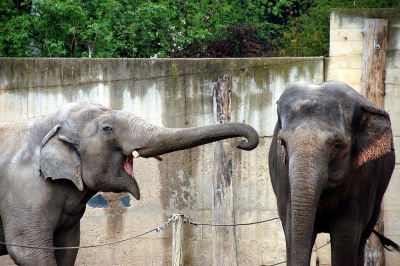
(373, 88)
(224, 242)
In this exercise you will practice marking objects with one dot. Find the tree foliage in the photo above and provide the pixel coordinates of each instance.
(168, 28)
(127, 28)
(306, 32)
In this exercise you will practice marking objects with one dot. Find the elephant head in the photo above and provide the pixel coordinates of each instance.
(324, 135)
(94, 146)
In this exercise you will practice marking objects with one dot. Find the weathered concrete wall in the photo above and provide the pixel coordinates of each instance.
(172, 93)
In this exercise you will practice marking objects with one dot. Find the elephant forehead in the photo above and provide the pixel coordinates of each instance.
(324, 92)
(311, 115)
(77, 107)
(301, 104)
(304, 108)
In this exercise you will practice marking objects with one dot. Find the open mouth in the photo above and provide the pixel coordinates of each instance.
(128, 165)
(133, 187)
(129, 170)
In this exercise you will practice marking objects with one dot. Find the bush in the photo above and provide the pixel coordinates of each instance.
(168, 28)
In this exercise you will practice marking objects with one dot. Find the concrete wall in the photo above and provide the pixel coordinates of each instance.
(178, 93)
(172, 93)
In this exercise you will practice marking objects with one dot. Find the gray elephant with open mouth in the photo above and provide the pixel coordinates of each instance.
(330, 162)
(51, 166)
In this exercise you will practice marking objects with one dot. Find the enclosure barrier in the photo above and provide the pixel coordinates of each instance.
(177, 237)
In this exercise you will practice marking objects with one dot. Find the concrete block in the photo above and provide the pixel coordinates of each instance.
(392, 222)
(344, 62)
(395, 119)
(392, 61)
(396, 141)
(390, 200)
(346, 34)
(340, 19)
(392, 75)
(348, 76)
(392, 99)
(393, 33)
(345, 48)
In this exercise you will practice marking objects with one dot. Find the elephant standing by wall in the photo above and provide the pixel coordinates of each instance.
(93, 147)
(330, 160)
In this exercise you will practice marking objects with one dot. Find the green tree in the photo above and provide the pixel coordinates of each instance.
(168, 28)
(15, 28)
(129, 28)
(306, 32)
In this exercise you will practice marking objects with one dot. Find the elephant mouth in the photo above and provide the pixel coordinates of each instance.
(128, 165)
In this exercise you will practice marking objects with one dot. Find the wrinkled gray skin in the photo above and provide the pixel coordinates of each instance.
(330, 162)
(51, 166)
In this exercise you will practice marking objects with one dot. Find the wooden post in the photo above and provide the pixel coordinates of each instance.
(224, 240)
(177, 240)
(373, 88)
(374, 60)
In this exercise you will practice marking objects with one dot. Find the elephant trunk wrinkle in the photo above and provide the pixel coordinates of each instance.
(301, 230)
(306, 186)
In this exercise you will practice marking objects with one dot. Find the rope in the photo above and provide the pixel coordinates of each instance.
(158, 229)
(327, 243)
(277, 263)
(186, 221)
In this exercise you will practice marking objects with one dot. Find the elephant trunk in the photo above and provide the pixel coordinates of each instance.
(307, 182)
(160, 140)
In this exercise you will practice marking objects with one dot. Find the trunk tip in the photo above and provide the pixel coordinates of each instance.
(248, 145)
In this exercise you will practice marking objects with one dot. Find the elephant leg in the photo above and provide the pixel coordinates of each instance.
(67, 238)
(30, 256)
(360, 256)
(345, 242)
(367, 233)
(33, 230)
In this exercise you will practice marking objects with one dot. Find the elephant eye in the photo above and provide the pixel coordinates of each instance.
(283, 143)
(337, 146)
(283, 150)
(107, 128)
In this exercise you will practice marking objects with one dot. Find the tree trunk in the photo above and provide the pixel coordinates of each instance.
(373, 88)
(224, 240)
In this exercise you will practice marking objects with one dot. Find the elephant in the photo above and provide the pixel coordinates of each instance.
(52, 165)
(330, 162)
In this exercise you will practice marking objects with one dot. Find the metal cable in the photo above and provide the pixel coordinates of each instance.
(186, 221)
(158, 229)
(327, 243)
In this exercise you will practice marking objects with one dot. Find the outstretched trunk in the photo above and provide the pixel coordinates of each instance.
(161, 140)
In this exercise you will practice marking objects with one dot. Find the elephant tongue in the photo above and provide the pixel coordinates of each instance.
(128, 165)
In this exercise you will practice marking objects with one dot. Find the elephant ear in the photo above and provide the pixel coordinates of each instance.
(374, 137)
(59, 159)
